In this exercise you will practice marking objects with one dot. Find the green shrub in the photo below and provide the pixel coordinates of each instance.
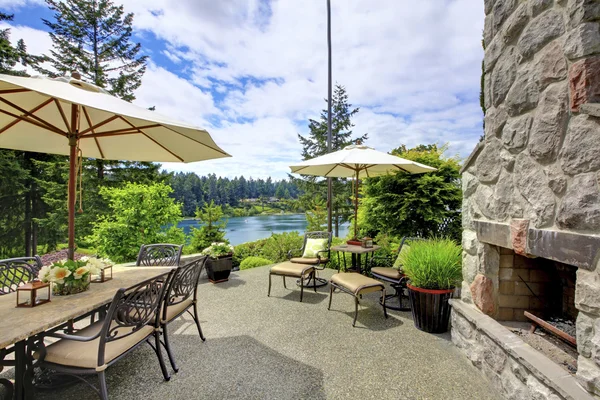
(213, 229)
(244, 250)
(253, 262)
(433, 264)
(276, 247)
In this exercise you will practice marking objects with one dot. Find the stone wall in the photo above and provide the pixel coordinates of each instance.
(535, 177)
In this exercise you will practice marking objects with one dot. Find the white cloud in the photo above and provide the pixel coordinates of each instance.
(413, 68)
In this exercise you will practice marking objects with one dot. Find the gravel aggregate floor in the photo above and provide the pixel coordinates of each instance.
(261, 347)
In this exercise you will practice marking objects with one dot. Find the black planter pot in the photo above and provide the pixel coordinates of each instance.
(218, 269)
(430, 308)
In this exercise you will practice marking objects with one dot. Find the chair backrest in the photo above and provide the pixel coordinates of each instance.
(132, 309)
(317, 235)
(15, 272)
(184, 283)
(160, 254)
(407, 239)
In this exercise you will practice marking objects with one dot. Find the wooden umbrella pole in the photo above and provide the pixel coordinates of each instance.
(72, 179)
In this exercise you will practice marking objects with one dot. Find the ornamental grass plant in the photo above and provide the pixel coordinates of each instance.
(433, 264)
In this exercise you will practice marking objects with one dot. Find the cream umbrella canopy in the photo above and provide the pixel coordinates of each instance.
(357, 161)
(70, 117)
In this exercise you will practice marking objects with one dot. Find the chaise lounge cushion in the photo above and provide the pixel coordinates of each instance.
(290, 269)
(391, 273)
(357, 283)
(309, 261)
(85, 354)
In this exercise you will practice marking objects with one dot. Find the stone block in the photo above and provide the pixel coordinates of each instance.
(524, 94)
(464, 327)
(582, 146)
(588, 375)
(495, 119)
(513, 388)
(501, 11)
(587, 293)
(507, 287)
(584, 82)
(505, 314)
(550, 65)
(512, 301)
(566, 247)
(583, 40)
(493, 233)
(557, 181)
(493, 355)
(579, 11)
(488, 29)
(580, 207)
(506, 260)
(518, 235)
(522, 290)
(541, 30)
(549, 124)
(516, 133)
(539, 391)
(519, 371)
(532, 183)
(489, 260)
(488, 165)
(511, 274)
(482, 293)
(503, 75)
(469, 241)
(470, 266)
(493, 51)
(465, 292)
(537, 6)
(515, 23)
(469, 184)
(585, 333)
(487, 6)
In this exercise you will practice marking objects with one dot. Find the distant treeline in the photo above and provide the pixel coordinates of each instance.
(194, 191)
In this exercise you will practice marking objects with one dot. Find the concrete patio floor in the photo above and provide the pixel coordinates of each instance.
(278, 348)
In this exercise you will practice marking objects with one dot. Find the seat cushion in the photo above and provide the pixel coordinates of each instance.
(356, 283)
(176, 309)
(309, 261)
(290, 269)
(391, 273)
(314, 246)
(85, 354)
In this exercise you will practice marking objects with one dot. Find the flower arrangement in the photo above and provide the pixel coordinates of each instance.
(71, 276)
(218, 250)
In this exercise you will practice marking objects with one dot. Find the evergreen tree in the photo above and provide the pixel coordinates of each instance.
(315, 145)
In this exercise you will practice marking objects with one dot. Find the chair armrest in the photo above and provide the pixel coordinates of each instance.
(76, 338)
(292, 252)
(322, 251)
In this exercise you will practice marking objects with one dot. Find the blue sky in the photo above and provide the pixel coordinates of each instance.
(252, 72)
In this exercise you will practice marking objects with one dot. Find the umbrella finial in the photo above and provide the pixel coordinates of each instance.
(76, 75)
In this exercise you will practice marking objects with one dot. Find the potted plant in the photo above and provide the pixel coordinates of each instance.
(220, 261)
(69, 276)
(433, 268)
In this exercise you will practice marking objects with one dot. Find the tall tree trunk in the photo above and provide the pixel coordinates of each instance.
(27, 222)
(337, 223)
(34, 213)
(100, 168)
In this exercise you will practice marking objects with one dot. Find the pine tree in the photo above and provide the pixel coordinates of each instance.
(315, 145)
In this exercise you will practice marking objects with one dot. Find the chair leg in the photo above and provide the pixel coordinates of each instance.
(103, 388)
(330, 296)
(301, 288)
(269, 292)
(283, 276)
(168, 348)
(314, 276)
(355, 310)
(161, 361)
(197, 320)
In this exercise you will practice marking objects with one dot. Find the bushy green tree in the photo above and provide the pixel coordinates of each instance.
(140, 214)
(213, 229)
(316, 215)
(415, 205)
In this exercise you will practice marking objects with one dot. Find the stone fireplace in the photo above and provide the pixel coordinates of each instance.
(531, 207)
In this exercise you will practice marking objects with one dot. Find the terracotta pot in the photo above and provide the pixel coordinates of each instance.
(218, 269)
(430, 308)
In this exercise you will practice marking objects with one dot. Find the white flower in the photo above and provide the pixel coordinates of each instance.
(59, 274)
(44, 273)
(80, 272)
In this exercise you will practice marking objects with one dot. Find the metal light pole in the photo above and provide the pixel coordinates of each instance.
(329, 181)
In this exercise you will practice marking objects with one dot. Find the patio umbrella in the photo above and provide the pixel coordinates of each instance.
(357, 161)
(70, 117)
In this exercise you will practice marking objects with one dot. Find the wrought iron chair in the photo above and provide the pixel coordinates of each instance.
(180, 296)
(15, 272)
(161, 254)
(319, 262)
(387, 272)
(132, 319)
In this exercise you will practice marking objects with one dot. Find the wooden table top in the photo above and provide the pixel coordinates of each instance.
(350, 248)
(17, 324)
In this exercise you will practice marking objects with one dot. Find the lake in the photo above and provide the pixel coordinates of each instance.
(248, 229)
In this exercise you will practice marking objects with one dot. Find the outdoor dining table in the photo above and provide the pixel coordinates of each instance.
(356, 252)
(17, 325)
